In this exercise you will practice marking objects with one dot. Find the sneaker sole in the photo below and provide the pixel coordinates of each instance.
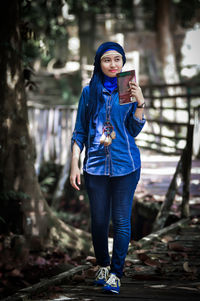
(99, 283)
(110, 291)
(114, 292)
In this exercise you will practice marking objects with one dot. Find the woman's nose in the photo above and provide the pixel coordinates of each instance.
(113, 63)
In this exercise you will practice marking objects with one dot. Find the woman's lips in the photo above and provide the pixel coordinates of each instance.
(113, 71)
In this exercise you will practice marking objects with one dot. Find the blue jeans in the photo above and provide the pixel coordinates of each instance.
(111, 197)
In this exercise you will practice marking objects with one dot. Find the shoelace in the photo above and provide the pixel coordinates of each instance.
(102, 273)
(112, 279)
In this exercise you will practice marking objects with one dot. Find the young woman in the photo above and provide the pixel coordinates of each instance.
(112, 160)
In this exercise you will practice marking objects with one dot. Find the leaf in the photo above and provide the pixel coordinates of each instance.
(176, 246)
(128, 263)
(67, 258)
(143, 256)
(79, 278)
(139, 268)
(167, 238)
(136, 244)
(174, 256)
(189, 269)
(91, 259)
(141, 251)
(152, 262)
(16, 273)
(40, 261)
(147, 259)
(90, 273)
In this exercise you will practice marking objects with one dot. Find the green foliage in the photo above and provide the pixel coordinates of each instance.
(13, 195)
(2, 220)
(186, 11)
(78, 220)
(45, 19)
(31, 51)
(48, 177)
(47, 182)
(94, 6)
(70, 87)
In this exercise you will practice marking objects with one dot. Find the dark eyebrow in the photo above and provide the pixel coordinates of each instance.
(106, 57)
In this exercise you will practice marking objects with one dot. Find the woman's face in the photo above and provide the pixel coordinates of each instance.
(111, 63)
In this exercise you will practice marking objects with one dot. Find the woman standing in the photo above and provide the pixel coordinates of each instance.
(112, 159)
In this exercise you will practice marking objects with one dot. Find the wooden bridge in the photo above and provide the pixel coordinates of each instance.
(162, 266)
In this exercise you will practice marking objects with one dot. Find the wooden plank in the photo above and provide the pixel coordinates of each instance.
(148, 240)
(23, 294)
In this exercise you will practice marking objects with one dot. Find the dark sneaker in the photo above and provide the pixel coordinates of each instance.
(112, 284)
(102, 276)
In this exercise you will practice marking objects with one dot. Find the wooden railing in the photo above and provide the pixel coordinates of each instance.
(51, 129)
(168, 117)
(169, 111)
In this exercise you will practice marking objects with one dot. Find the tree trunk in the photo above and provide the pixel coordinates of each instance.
(138, 13)
(18, 180)
(165, 42)
(87, 30)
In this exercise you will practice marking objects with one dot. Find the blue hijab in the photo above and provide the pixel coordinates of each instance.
(98, 77)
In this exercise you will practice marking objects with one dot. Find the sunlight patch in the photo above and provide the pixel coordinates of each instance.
(63, 298)
(11, 80)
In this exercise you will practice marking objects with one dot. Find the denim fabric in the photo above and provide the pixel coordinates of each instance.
(122, 156)
(111, 197)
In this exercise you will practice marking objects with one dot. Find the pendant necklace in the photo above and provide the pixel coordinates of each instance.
(108, 130)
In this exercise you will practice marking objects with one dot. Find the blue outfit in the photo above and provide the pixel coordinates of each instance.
(111, 172)
(122, 156)
(111, 196)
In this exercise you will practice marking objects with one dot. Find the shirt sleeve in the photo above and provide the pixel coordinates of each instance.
(134, 124)
(80, 132)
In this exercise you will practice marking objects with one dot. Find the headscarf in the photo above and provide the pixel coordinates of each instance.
(96, 82)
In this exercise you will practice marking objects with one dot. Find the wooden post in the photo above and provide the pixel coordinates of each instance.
(169, 198)
(186, 168)
(183, 168)
(196, 133)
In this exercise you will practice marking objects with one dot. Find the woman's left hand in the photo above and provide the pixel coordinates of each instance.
(136, 92)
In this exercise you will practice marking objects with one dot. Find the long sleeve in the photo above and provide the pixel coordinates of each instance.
(80, 132)
(134, 124)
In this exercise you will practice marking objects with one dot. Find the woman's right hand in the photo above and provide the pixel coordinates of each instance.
(75, 175)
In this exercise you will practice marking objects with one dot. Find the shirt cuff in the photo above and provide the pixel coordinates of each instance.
(80, 145)
(139, 120)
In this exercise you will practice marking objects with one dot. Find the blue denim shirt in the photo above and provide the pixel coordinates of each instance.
(122, 156)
